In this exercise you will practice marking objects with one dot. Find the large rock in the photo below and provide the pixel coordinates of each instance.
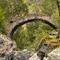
(19, 55)
(22, 55)
(54, 55)
(7, 51)
(34, 57)
(6, 45)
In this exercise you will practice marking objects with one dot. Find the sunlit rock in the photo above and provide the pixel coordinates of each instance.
(54, 55)
(6, 45)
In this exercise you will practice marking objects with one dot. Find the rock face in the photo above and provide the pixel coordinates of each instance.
(34, 57)
(18, 55)
(54, 55)
(7, 51)
(22, 55)
(6, 45)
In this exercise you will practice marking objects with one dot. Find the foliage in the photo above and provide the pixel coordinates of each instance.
(28, 35)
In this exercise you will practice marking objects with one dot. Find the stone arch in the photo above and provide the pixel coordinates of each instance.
(15, 22)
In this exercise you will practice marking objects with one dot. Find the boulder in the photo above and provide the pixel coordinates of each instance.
(54, 55)
(19, 55)
(6, 45)
(8, 52)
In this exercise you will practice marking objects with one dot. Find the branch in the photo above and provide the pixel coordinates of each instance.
(58, 7)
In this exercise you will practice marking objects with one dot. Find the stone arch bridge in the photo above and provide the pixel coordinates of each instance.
(8, 46)
(12, 24)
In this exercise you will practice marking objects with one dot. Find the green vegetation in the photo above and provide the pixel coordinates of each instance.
(28, 35)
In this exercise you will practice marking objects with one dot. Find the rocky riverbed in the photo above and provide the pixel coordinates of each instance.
(8, 52)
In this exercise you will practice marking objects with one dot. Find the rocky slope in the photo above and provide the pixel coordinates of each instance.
(54, 55)
(7, 51)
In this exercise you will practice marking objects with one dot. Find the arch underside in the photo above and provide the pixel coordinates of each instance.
(32, 20)
(19, 21)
